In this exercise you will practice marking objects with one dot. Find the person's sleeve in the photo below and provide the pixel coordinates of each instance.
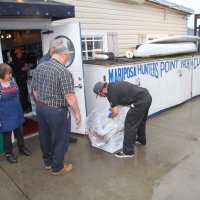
(33, 81)
(67, 82)
(46, 57)
(113, 99)
(113, 102)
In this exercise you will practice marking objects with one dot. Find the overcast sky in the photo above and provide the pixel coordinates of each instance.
(193, 4)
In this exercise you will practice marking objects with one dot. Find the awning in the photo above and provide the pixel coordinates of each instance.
(35, 9)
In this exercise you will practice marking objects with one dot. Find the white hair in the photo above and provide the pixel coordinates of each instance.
(58, 46)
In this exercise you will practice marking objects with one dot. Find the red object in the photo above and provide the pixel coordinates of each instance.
(9, 90)
(30, 126)
(18, 50)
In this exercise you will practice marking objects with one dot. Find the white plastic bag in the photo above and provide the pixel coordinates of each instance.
(106, 133)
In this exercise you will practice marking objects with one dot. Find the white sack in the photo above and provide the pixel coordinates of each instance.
(102, 130)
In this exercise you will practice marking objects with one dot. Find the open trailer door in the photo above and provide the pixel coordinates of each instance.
(73, 38)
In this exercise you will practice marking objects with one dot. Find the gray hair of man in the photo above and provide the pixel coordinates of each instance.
(58, 47)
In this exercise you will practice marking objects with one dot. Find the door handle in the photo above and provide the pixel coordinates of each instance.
(78, 86)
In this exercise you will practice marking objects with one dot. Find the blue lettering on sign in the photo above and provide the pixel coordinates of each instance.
(154, 69)
(196, 62)
(168, 66)
(186, 63)
(148, 69)
(120, 74)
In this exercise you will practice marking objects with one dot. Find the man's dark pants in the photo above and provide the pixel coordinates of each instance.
(135, 124)
(53, 124)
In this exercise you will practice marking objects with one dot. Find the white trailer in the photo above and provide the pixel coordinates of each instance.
(170, 81)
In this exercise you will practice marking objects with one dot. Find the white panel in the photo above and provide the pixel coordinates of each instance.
(151, 81)
(93, 74)
(169, 84)
(196, 76)
(72, 31)
(175, 85)
(185, 74)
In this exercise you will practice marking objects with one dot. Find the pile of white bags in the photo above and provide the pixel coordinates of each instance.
(106, 133)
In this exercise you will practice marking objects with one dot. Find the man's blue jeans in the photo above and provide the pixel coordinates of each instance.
(54, 130)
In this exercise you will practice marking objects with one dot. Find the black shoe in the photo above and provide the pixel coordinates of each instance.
(121, 154)
(11, 158)
(73, 140)
(25, 152)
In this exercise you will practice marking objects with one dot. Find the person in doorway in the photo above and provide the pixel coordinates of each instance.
(138, 98)
(20, 69)
(11, 114)
(47, 57)
(53, 88)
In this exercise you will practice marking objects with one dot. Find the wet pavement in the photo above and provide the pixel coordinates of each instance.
(167, 168)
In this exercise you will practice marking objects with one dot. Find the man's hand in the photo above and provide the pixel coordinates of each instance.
(78, 118)
(115, 111)
(72, 101)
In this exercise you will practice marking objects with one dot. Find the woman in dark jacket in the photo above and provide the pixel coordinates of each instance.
(11, 114)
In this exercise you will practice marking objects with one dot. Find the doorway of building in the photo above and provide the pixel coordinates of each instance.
(30, 42)
(34, 47)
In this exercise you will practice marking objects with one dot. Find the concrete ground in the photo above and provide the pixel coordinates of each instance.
(167, 168)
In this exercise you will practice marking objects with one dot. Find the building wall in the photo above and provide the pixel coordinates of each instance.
(131, 22)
